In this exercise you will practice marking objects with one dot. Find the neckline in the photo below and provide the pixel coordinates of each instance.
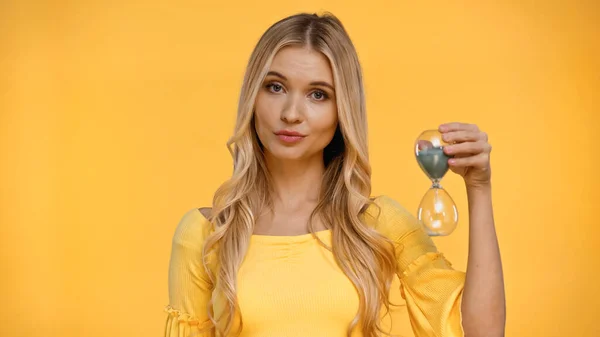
(322, 234)
(267, 238)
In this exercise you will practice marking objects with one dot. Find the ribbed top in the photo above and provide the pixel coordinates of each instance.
(292, 285)
(284, 239)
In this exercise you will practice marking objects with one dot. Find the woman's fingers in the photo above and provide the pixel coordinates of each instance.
(479, 160)
(468, 147)
(449, 127)
(464, 136)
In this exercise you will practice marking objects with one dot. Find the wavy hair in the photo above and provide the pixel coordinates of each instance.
(364, 255)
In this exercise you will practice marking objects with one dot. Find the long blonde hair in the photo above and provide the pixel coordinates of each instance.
(364, 255)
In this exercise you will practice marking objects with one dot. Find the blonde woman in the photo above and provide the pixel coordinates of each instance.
(294, 244)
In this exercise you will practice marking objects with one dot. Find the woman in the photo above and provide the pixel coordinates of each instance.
(294, 245)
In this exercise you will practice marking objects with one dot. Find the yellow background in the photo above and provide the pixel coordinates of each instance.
(114, 116)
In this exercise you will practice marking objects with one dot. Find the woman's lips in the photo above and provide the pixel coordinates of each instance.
(289, 136)
(289, 139)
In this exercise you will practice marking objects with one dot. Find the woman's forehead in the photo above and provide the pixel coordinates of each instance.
(297, 63)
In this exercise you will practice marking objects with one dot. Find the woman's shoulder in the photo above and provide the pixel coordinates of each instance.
(391, 218)
(193, 227)
(387, 208)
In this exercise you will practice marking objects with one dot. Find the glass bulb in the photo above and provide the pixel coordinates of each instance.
(437, 211)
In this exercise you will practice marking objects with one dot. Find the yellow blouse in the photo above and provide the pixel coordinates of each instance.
(291, 286)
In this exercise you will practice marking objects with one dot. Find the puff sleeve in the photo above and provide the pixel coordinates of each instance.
(430, 286)
(190, 289)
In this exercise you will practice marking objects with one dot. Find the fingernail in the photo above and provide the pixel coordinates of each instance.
(448, 149)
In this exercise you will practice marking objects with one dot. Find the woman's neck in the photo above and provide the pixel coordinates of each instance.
(296, 183)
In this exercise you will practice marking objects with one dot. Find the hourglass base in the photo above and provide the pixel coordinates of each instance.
(437, 212)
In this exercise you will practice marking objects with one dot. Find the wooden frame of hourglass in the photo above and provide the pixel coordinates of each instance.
(437, 211)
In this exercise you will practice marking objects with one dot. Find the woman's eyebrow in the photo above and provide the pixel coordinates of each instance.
(274, 73)
(321, 83)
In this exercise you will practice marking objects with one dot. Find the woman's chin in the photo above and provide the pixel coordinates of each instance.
(288, 153)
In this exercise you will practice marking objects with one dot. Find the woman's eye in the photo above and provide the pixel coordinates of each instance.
(319, 95)
(274, 87)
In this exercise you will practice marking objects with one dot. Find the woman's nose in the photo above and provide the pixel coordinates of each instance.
(292, 110)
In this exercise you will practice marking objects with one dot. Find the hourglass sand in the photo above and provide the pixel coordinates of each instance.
(437, 211)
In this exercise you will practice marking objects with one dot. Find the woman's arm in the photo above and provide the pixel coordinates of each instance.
(483, 304)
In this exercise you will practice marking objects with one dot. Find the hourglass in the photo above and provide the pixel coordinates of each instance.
(437, 211)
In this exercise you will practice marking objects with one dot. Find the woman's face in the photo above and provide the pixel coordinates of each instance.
(296, 113)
